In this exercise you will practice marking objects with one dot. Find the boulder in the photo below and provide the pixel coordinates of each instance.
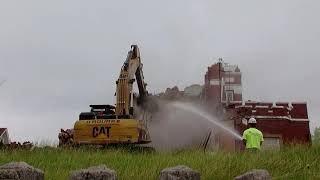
(100, 172)
(256, 174)
(179, 173)
(20, 171)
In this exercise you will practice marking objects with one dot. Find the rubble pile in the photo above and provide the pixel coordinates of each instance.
(191, 93)
(65, 137)
(171, 94)
(18, 145)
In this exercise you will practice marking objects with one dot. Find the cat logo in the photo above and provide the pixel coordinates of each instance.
(96, 131)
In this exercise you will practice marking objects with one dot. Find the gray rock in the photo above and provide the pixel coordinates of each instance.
(20, 171)
(256, 174)
(179, 173)
(94, 173)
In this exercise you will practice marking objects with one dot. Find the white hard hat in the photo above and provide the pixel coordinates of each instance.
(252, 121)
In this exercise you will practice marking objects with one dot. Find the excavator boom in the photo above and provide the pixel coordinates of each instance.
(131, 71)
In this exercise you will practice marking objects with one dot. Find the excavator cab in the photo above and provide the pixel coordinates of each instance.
(99, 112)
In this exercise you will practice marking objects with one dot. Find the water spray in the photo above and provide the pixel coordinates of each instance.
(206, 116)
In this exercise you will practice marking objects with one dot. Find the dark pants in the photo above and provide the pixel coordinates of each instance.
(252, 150)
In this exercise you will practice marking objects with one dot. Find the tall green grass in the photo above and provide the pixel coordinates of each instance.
(288, 163)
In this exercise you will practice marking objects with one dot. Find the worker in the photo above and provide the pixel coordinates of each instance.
(252, 137)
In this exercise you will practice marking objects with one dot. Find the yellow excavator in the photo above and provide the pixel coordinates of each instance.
(124, 123)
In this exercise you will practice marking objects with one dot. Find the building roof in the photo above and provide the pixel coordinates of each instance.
(2, 130)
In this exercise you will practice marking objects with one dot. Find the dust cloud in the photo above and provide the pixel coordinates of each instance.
(175, 128)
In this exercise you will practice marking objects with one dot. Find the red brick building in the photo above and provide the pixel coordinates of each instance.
(223, 84)
(281, 122)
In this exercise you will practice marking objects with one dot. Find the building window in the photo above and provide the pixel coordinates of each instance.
(229, 96)
(229, 79)
(214, 82)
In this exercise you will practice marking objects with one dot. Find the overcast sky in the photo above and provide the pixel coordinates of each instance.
(60, 56)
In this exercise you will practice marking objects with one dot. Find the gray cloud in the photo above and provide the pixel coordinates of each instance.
(59, 57)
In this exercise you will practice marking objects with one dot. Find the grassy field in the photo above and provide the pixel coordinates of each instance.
(289, 163)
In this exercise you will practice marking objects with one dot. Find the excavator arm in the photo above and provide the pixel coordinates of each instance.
(131, 71)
